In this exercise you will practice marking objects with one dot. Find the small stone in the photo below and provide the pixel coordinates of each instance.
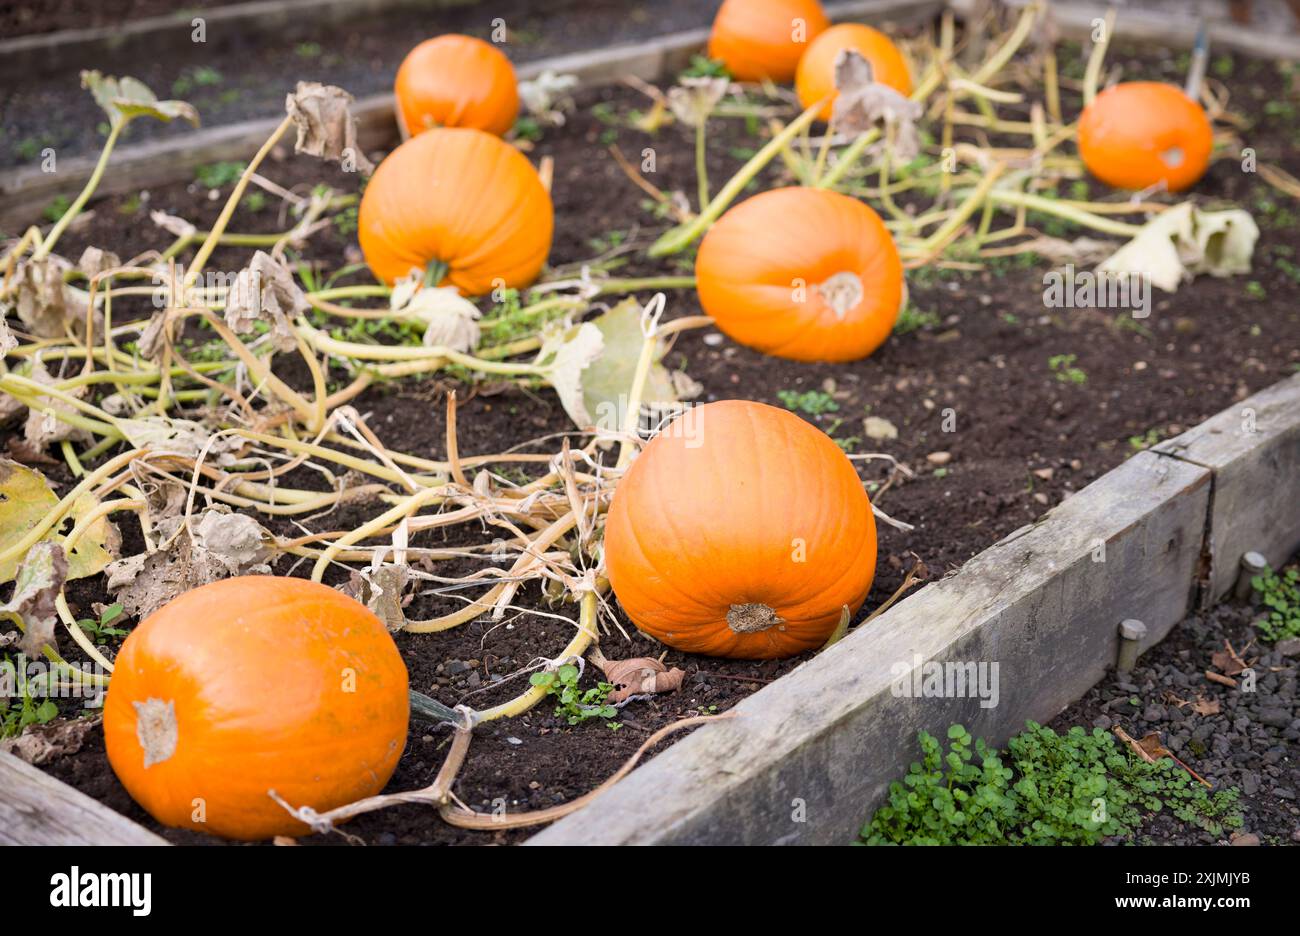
(713, 339)
(1245, 838)
(939, 458)
(1274, 718)
(1044, 473)
(1103, 722)
(1289, 647)
(877, 428)
(474, 680)
(1041, 498)
(534, 785)
(1153, 713)
(513, 740)
(456, 667)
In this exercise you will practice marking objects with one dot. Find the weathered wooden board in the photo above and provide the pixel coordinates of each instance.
(37, 809)
(82, 48)
(1253, 449)
(26, 191)
(810, 755)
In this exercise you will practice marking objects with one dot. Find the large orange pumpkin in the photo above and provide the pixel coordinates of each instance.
(801, 273)
(254, 684)
(815, 78)
(1141, 133)
(460, 199)
(740, 531)
(759, 39)
(456, 81)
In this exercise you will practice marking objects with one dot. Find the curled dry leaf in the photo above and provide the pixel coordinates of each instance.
(223, 544)
(37, 585)
(95, 261)
(325, 125)
(265, 291)
(1179, 243)
(546, 97)
(44, 303)
(637, 676)
(449, 319)
(381, 589)
(166, 435)
(172, 224)
(7, 340)
(695, 98)
(40, 744)
(126, 98)
(565, 361)
(26, 499)
(862, 103)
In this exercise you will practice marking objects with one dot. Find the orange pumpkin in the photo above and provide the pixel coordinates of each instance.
(759, 39)
(254, 684)
(815, 78)
(801, 273)
(1142, 133)
(456, 81)
(458, 199)
(740, 531)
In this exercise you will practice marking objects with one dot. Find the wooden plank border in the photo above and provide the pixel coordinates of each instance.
(25, 191)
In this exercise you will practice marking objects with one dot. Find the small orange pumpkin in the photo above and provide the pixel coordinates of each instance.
(456, 81)
(740, 531)
(254, 684)
(461, 200)
(801, 273)
(1141, 133)
(759, 39)
(815, 78)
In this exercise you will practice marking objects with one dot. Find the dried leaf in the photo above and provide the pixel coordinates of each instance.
(546, 97)
(265, 291)
(40, 744)
(43, 427)
(607, 379)
(638, 676)
(124, 99)
(95, 261)
(7, 340)
(1225, 662)
(1206, 706)
(695, 98)
(381, 591)
(166, 435)
(37, 585)
(1179, 243)
(178, 227)
(223, 544)
(44, 303)
(449, 319)
(863, 103)
(568, 359)
(325, 125)
(26, 499)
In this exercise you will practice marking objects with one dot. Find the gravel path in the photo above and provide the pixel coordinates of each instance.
(1249, 744)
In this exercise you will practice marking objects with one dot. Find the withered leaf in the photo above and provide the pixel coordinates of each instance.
(40, 577)
(265, 291)
(325, 125)
(637, 676)
(40, 744)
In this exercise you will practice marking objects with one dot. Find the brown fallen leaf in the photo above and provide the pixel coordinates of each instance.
(1206, 706)
(637, 676)
(1151, 750)
(1223, 660)
(1220, 679)
(40, 744)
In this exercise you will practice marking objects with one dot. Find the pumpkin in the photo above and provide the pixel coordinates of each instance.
(759, 39)
(254, 684)
(801, 273)
(740, 531)
(1142, 133)
(815, 77)
(456, 81)
(461, 201)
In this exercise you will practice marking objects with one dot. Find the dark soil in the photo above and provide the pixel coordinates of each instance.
(30, 17)
(235, 75)
(1024, 437)
(1249, 745)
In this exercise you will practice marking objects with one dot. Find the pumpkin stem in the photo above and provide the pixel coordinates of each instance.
(155, 727)
(751, 618)
(841, 292)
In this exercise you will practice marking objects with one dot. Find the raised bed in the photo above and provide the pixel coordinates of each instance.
(1173, 520)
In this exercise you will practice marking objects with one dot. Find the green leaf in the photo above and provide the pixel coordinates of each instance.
(126, 98)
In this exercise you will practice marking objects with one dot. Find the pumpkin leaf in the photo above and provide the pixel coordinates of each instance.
(43, 427)
(326, 127)
(40, 744)
(167, 435)
(265, 291)
(546, 97)
(1184, 241)
(380, 589)
(126, 98)
(7, 340)
(568, 359)
(863, 103)
(694, 99)
(44, 303)
(607, 380)
(449, 319)
(221, 544)
(637, 676)
(25, 500)
(37, 585)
